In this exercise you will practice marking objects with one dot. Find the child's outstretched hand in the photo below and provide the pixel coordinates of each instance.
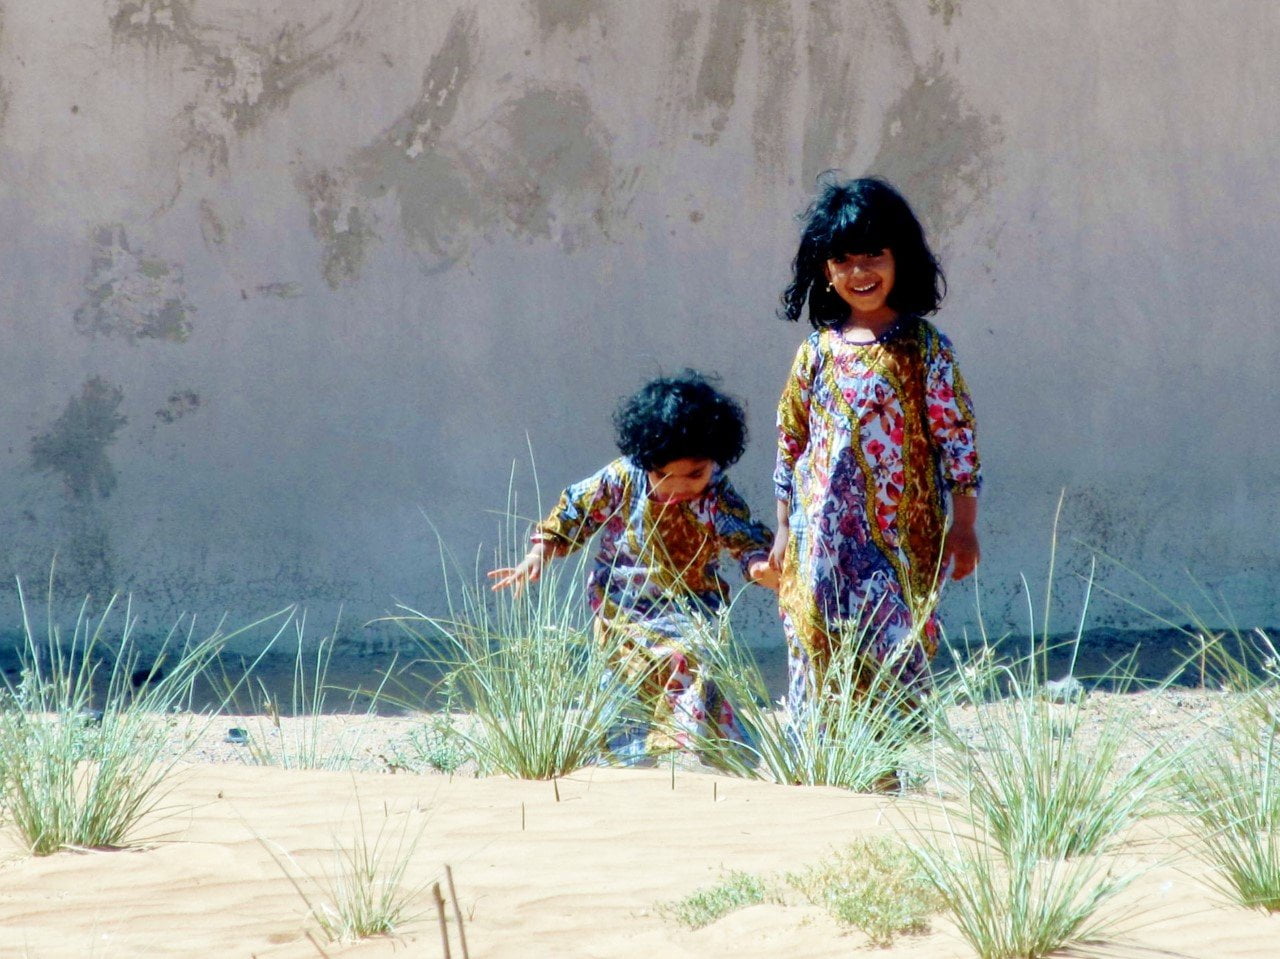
(763, 574)
(528, 570)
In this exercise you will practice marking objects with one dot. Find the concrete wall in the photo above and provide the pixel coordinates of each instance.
(286, 283)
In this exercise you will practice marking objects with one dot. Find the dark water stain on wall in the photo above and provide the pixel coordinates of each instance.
(570, 15)
(544, 156)
(250, 70)
(438, 205)
(4, 90)
(830, 130)
(536, 164)
(132, 294)
(178, 405)
(937, 149)
(339, 224)
(703, 85)
(75, 445)
(279, 290)
(212, 229)
(718, 72)
(947, 9)
(770, 131)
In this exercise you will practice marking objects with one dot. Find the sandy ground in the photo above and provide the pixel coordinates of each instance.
(578, 874)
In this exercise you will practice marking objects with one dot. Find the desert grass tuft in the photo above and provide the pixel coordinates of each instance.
(87, 734)
(737, 890)
(1055, 777)
(859, 733)
(541, 690)
(308, 740)
(875, 885)
(363, 889)
(1229, 787)
(1010, 903)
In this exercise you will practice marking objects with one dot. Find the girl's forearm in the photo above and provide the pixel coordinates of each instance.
(964, 511)
(784, 514)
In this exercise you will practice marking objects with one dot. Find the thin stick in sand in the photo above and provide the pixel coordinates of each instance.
(444, 929)
(457, 911)
(316, 944)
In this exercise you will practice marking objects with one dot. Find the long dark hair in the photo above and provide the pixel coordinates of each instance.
(866, 215)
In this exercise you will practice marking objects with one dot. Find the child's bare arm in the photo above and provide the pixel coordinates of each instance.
(960, 550)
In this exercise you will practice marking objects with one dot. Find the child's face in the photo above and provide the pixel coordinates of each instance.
(680, 480)
(864, 281)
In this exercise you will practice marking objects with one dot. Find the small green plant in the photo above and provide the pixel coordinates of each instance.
(542, 691)
(86, 744)
(363, 890)
(737, 890)
(437, 744)
(874, 885)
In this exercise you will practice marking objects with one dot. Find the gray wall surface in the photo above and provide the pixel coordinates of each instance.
(290, 285)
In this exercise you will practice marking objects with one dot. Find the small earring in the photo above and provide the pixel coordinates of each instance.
(829, 286)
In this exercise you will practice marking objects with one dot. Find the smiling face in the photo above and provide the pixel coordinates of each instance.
(864, 281)
(680, 480)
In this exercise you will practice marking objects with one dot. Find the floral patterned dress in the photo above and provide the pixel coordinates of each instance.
(654, 584)
(870, 437)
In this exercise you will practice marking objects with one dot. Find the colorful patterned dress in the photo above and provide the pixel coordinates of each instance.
(654, 578)
(870, 436)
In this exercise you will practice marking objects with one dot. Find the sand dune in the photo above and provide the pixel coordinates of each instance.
(580, 878)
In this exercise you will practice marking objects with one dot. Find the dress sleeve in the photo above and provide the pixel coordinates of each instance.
(748, 540)
(793, 418)
(951, 421)
(583, 508)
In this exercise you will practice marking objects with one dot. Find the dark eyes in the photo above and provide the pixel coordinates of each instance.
(859, 257)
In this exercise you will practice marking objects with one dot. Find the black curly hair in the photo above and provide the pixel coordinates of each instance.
(680, 417)
(866, 215)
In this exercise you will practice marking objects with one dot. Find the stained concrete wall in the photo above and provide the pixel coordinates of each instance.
(288, 286)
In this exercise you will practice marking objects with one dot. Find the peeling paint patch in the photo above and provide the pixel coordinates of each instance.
(178, 405)
(703, 84)
(133, 294)
(4, 92)
(279, 291)
(770, 129)
(86, 564)
(212, 228)
(75, 445)
(246, 77)
(938, 150)
(537, 165)
(341, 226)
(572, 15)
(549, 163)
(947, 9)
(830, 122)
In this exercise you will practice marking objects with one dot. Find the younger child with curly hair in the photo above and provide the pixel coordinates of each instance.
(667, 511)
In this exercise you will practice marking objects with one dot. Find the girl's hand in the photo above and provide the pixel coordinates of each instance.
(960, 552)
(780, 538)
(529, 570)
(763, 573)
